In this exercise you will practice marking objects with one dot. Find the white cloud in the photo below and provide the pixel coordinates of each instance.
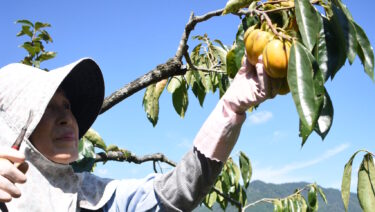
(284, 174)
(260, 117)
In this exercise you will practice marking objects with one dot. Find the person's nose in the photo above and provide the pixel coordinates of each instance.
(66, 117)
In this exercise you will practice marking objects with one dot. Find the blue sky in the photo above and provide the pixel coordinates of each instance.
(129, 38)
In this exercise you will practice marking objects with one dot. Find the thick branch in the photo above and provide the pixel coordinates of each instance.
(171, 68)
(120, 156)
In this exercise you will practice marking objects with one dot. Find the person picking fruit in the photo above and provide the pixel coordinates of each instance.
(65, 102)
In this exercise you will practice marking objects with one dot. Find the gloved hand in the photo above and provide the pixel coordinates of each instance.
(218, 135)
(250, 87)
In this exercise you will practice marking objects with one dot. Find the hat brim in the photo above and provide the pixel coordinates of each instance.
(84, 87)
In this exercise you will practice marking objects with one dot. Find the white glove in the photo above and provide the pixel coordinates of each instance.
(219, 133)
(250, 87)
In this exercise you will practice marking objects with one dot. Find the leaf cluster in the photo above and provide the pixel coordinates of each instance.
(87, 154)
(228, 187)
(366, 182)
(35, 48)
(321, 44)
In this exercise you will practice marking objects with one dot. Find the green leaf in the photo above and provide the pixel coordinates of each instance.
(243, 196)
(177, 86)
(151, 100)
(365, 51)
(312, 199)
(36, 63)
(235, 5)
(206, 80)
(236, 173)
(348, 27)
(322, 194)
(29, 48)
(94, 137)
(221, 44)
(39, 25)
(25, 31)
(309, 27)
(236, 53)
(325, 118)
(305, 87)
(346, 179)
(329, 52)
(27, 60)
(232, 66)
(211, 199)
(189, 77)
(277, 206)
(365, 189)
(221, 54)
(112, 147)
(199, 90)
(343, 33)
(86, 156)
(220, 189)
(194, 55)
(343, 7)
(302, 203)
(246, 169)
(224, 84)
(44, 35)
(371, 171)
(25, 22)
(46, 56)
(348, 30)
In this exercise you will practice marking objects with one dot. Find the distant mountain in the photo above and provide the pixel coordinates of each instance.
(258, 190)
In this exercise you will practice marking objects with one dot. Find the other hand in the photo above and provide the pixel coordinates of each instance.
(11, 161)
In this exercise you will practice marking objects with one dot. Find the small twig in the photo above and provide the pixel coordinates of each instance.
(233, 201)
(193, 20)
(270, 2)
(193, 67)
(154, 166)
(270, 200)
(120, 156)
(268, 20)
(278, 9)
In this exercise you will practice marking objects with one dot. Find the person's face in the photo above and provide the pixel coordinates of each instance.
(56, 135)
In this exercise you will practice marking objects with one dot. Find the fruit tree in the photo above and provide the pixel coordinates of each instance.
(303, 43)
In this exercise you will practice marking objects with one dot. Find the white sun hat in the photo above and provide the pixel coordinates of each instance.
(25, 88)
(56, 186)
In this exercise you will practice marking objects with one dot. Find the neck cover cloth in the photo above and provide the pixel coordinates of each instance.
(51, 186)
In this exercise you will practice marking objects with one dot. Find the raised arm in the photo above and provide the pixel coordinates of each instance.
(184, 188)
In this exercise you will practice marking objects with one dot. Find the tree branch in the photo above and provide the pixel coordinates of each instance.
(171, 68)
(233, 201)
(131, 158)
(193, 20)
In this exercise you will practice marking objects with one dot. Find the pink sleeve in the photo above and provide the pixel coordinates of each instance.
(219, 133)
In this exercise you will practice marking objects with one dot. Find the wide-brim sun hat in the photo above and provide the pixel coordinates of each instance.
(25, 88)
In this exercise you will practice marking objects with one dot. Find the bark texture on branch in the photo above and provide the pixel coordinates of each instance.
(131, 158)
(171, 68)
